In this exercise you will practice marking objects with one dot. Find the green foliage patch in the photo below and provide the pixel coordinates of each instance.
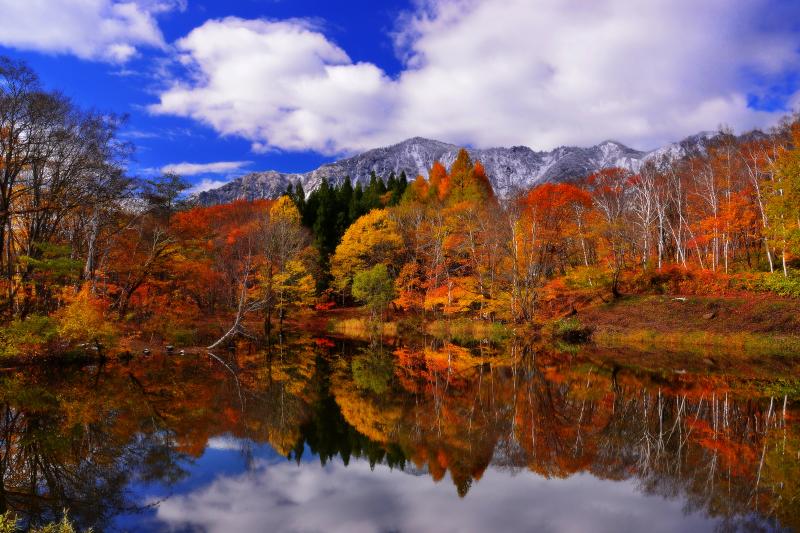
(776, 283)
(21, 334)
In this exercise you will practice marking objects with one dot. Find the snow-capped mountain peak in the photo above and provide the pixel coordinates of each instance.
(510, 169)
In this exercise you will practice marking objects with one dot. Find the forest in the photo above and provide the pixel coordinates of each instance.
(89, 254)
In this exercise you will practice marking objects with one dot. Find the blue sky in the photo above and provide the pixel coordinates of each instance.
(214, 89)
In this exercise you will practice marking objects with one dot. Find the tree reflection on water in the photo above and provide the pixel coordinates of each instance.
(724, 444)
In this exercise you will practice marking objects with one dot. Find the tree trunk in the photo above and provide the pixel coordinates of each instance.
(268, 321)
(91, 252)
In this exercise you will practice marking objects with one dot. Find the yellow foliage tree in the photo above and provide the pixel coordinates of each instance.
(783, 204)
(285, 211)
(371, 240)
(84, 317)
(286, 277)
(294, 286)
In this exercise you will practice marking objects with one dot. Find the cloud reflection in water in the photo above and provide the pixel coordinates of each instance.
(282, 496)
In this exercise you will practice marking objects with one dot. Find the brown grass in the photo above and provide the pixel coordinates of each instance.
(726, 316)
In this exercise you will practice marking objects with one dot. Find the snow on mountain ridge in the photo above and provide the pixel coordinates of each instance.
(509, 169)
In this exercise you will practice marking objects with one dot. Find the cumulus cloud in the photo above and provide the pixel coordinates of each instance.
(194, 169)
(492, 72)
(570, 71)
(279, 84)
(106, 30)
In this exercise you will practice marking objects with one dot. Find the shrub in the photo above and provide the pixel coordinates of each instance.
(572, 330)
(182, 336)
(776, 283)
(668, 279)
(591, 277)
(26, 335)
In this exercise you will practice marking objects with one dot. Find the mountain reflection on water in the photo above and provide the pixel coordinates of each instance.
(323, 435)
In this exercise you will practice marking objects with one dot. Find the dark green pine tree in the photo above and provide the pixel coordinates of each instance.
(372, 188)
(356, 202)
(300, 198)
(344, 197)
(398, 189)
(309, 205)
(325, 223)
(391, 183)
(373, 193)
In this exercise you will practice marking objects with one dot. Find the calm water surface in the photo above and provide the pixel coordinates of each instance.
(321, 435)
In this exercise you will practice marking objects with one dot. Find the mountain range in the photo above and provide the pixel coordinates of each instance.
(509, 169)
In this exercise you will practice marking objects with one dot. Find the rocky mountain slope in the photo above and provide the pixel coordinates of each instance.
(510, 169)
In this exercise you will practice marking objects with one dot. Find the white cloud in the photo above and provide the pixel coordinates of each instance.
(193, 169)
(205, 184)
(279, 84)
(106, 30)
(334, 498)
(491, 72)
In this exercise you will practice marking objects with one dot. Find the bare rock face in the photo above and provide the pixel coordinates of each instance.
(509, 169)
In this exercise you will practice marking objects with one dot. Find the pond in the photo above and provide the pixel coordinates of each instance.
(318, 434)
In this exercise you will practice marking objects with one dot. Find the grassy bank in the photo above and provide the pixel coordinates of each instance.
(759, 314)
(752, 344)
(757, 324)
